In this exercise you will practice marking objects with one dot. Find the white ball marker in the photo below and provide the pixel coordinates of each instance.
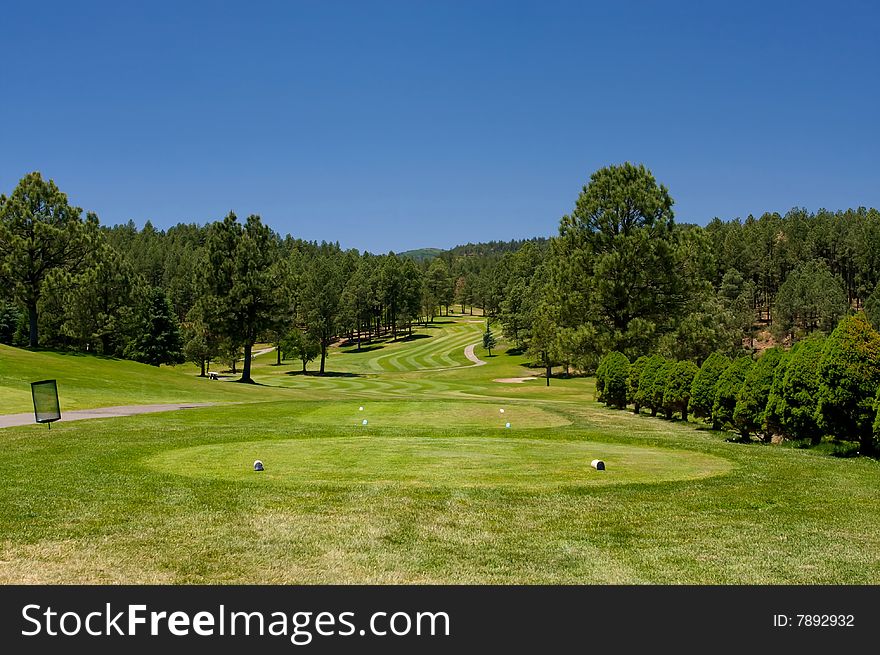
(598, 464)
(507, 425)
(501, 410)
(360, 409)
(364, 422)
(258, 465)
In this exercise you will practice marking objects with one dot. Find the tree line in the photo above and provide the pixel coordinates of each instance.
(622, 275)
(202, 293)
(821, 387)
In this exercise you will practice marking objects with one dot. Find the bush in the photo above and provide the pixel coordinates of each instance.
(849, 373)
(632, 382)
(600, 378)
(616, 374)
(773, 423)
(727, 390)
(658, 388)
(646, 383)
(677, 395)
(705, 384)
(751, 402)
(800, 391)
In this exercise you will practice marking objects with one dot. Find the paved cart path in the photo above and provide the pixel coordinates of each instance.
(471, 355)
(11, 420)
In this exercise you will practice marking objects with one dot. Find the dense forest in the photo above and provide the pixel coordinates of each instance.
(620, 276)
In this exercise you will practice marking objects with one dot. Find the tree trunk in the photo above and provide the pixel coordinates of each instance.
(304, 366)
(278, 351)
(684, 413)
(549, 368)
(637, 408)
(323, 356)
(202, 374)
(246, 369)
(33, 339)
(653, 411)
(359, 333)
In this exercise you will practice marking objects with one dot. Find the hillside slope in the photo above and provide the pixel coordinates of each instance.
(86, 381)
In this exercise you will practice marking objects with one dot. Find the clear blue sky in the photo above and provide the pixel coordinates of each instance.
(396, 125)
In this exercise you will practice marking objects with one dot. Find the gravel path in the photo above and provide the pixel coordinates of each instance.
(11, 420)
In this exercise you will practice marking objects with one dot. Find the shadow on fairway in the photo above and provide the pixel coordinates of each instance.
(364, 349)
(73, 353)
(326, 374)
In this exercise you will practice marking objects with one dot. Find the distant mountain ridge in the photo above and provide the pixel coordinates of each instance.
(422, 254)
(471, 249)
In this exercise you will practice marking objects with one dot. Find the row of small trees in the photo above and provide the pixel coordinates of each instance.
(820, 387)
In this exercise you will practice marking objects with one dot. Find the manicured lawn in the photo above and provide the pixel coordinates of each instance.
(434, 489)
(85, 382)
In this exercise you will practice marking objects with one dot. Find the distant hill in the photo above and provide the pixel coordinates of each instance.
(495, 247)
(489, 248)
(422, 254)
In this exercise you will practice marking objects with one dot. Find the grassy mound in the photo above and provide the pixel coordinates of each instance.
(488, 462)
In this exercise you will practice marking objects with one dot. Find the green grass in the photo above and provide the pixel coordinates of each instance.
(434, 489)
(86, 382)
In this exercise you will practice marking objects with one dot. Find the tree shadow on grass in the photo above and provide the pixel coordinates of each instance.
(326, 374)
(78, 353)
(414, 337)
(364, 349)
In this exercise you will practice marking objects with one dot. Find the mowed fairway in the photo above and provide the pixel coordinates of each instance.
(434, 488)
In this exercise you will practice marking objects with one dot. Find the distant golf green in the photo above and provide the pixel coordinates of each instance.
(434, 489)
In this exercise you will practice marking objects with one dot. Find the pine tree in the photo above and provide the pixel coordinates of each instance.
(489, 340)
(849, 374)
(632, 382)
(677, 394)
(158, 341)
(40, 233)
(650, 370)
(239, 282)
(727, 390)
(799, 402)
(616, 375)
(751, 401)
(705, 384)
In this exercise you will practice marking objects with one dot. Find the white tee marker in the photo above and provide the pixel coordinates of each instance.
(360, 409)
(501, 410)
(364, 422)
(507, 425)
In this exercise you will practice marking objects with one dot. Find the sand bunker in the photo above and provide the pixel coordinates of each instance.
(515, 380)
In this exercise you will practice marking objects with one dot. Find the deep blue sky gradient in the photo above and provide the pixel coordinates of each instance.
(396, 125)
